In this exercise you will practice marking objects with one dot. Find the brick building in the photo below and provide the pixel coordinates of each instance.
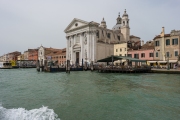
(33, 54)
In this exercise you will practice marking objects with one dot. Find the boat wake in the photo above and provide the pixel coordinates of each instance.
(42, 113)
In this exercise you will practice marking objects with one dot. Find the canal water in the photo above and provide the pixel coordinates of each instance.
(29, 95)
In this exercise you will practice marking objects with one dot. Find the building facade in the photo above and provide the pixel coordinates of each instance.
(167, 47)
(46, 53)
(59, 57)
(146, 51)
(20, 57)
(91, 41)
(120, 49)
(33, 54)
(26, 54)
(10, 56)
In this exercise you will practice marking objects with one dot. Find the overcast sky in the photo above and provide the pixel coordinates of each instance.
(29, 23)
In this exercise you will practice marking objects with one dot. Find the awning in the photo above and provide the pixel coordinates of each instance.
(172, 61)
(162, 61)
(152, 61)
(114, 58)
(109, 59)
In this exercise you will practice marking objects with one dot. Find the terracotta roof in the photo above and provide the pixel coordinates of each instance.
(148, 46)
(16, 52)
(32, 50)
(132, 36)
(52, 49)
(159, 36)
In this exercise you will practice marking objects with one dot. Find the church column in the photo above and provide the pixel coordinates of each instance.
(94, 46)
(88, 45)
(67, 49)
(82, 48)
(72, 52)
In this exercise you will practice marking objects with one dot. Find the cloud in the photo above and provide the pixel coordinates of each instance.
(30, 23)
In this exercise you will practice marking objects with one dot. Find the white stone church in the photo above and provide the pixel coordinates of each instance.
(91, 41)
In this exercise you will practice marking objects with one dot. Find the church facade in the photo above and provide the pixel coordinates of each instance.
(91, 41)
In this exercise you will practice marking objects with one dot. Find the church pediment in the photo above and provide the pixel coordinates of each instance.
(76, 23)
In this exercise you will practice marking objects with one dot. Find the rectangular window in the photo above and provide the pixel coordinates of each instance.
(124, 54)
(125, 49)
(156, 54)
(167, 42)
(176, 53)
(167, 54)
(136, 55)
(175, 41)
(151, 55)
(116, 50)
(142, 55)
(157, 43)
(64, 56)
(120, 50)
(130, 55)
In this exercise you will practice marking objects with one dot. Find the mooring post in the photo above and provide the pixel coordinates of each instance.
(92, 67)
(68, 66)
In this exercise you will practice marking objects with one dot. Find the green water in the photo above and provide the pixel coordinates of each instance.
(89, 95)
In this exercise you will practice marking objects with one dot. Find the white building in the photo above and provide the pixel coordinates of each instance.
(91, 41)
(43, 52)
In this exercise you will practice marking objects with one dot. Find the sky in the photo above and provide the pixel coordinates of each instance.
(28, 24)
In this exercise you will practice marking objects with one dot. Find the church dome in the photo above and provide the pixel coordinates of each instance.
(118, 24)
(117, 27)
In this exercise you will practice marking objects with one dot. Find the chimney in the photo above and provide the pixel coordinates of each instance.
(163, 32)
(142, 42)
(162, 29)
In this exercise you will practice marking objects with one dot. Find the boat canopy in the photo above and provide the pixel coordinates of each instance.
(115, 58)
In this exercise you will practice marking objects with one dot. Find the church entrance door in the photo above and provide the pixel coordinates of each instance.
(77, 58)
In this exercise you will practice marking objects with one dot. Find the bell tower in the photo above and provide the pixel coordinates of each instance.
(125, 30)
(119, 19)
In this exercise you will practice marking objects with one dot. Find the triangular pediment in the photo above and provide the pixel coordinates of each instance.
(76, 23)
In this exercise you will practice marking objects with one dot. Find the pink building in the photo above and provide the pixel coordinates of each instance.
(145, 53)
(142, 54)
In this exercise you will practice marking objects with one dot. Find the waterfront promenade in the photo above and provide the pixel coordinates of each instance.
(170, 71)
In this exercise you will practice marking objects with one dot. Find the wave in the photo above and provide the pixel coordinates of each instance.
(42, 113)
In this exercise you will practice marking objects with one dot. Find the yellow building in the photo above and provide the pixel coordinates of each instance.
(120, 50)
(20, 57)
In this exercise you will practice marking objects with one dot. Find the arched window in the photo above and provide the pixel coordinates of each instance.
(118, 37)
